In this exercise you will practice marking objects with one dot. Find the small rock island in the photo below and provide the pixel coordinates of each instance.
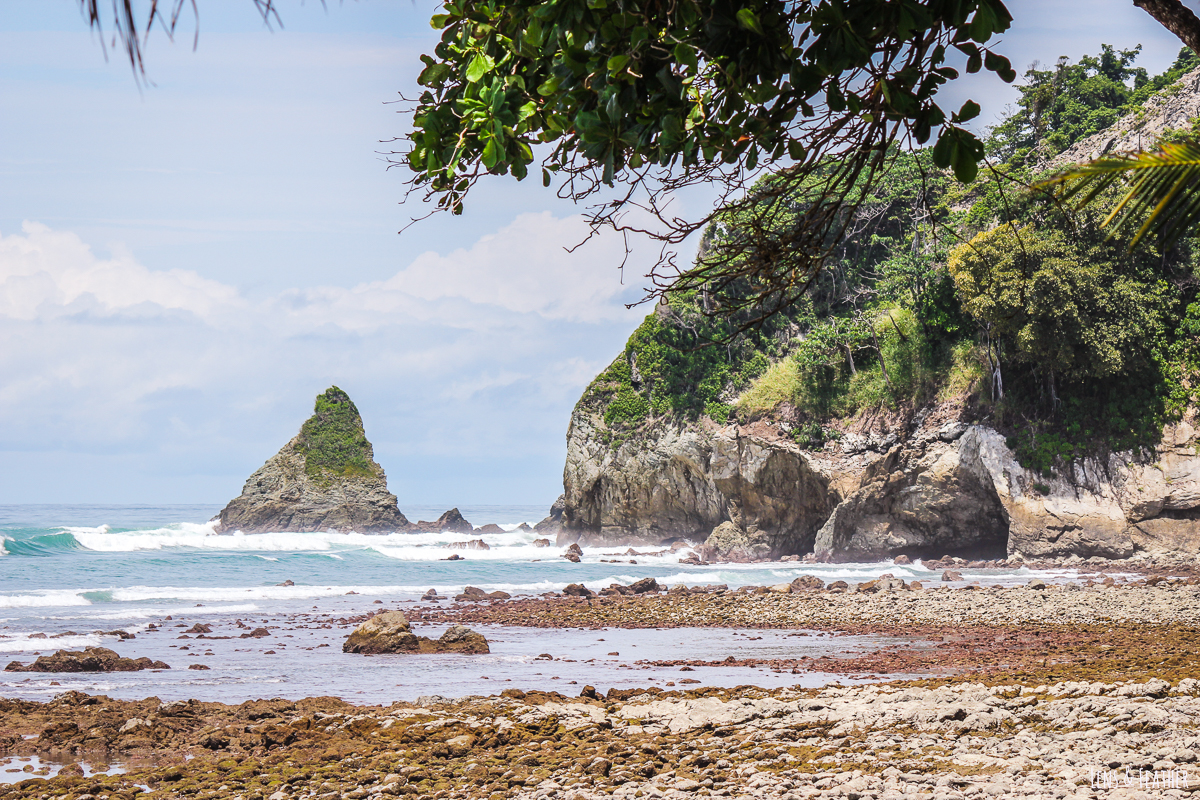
(325, 478)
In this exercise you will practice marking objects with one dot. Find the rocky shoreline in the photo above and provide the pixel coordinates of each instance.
(1027, 692)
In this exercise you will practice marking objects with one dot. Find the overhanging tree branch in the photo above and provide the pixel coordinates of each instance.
(1175, 17)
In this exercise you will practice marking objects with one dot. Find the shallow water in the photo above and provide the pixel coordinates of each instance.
(78, 570)
(14, 769)
(303, 658)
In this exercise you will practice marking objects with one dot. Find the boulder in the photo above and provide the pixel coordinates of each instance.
(572, 557)
(902, 560)
(951, 575)
(644, 585)
(91, 659)
(471, 593)
(541, 542)
(577, 590)
(459, 639)
(390, 632)
(491, 527)
(449, 522)
(387, 632)
(729, 542)
(805, 582)
(325, 478)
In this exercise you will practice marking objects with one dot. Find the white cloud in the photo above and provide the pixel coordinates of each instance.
(526, 268)
(478, 354)
(45, 272)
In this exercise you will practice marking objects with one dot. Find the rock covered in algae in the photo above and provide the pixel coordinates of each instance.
(325, 478)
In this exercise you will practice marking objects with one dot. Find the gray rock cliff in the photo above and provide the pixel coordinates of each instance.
(931, 489)
(325, 478)
(686, 481)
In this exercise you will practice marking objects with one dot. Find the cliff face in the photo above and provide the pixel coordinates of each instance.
(932, 488)
(325, 478)
(686, 481)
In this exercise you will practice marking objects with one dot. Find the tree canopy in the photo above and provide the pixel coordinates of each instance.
(630, 100)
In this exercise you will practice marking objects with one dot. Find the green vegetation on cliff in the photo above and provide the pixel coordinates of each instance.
(333, 441)
(1025, 311)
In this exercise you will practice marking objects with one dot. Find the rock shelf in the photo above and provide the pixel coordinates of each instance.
(1164, 602)
(1035, 693)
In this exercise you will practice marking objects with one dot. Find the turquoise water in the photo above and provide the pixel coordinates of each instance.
(72, 572)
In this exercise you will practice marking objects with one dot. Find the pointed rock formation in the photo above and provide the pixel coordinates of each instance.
(325, 478)
(449, 522)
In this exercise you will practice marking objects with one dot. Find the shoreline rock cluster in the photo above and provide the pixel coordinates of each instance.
(90, 659)
(865, 607)
(390, 632)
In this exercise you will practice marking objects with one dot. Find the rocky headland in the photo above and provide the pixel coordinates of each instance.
(889, 412)
(325, 478)
(925, 484)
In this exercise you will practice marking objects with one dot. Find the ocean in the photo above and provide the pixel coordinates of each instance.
(71, 575)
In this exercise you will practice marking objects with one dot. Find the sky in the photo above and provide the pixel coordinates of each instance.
(185, 265)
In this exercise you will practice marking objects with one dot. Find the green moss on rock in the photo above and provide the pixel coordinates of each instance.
(333, 441)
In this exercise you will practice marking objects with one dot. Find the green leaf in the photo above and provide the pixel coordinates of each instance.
(1164, 197)
(491, 154)
(945, 150)
(686, 56)
(617, 63)
(438, 21)
(969, 111)
(749, 20)
(548, 86)
(480, 65)
(996, 62)
(433, 75)
(545, 177)
(966, 167)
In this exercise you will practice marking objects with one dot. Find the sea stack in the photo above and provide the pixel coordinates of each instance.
(325, 478)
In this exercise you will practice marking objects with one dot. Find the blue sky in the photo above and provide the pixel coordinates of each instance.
(184, 266)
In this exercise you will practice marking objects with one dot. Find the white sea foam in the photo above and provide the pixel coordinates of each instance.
(50, 598)
(25, 644)
(226, 594)
(407, 546)
(158, 612)
(3, 551)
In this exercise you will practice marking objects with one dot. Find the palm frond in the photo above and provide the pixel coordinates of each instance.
(1163, 194)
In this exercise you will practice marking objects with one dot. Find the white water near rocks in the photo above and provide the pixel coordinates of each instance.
(73, 574)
